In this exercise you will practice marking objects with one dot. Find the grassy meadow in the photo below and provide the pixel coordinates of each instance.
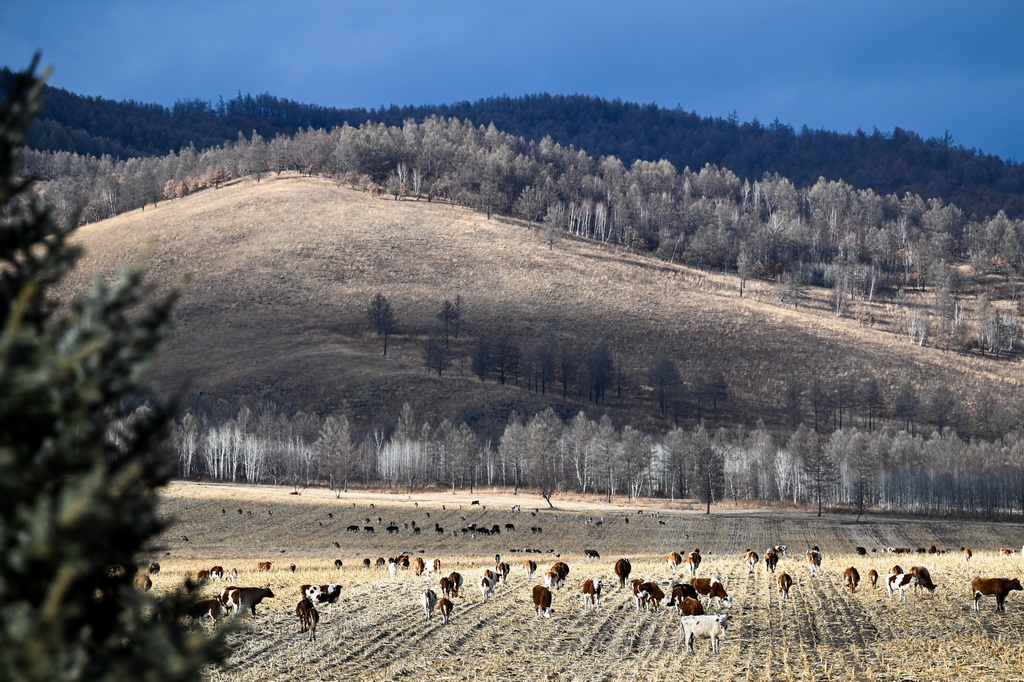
(379, 632)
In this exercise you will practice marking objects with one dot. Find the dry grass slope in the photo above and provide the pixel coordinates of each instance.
(823, 633)
(283, 271)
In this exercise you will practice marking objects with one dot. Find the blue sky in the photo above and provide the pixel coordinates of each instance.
(928, 66)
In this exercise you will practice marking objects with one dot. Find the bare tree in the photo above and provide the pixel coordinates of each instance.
(382, 317)
(543, 433)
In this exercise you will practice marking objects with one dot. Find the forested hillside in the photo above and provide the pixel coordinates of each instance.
(887, 162)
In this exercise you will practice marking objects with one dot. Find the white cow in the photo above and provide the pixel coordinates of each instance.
(429, 600)
(711, 627)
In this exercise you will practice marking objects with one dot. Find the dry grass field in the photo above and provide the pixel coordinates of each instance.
(283, 271)
(379, 633)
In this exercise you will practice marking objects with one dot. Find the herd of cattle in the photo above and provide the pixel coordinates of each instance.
(684, 597)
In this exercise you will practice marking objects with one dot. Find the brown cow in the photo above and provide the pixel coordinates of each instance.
(750, 558)
(873, 578)
(692, 562)
(418, 566)
(852, 578)
(502, 569)
(712, 588)
(530, 566)
(265, 566)
(785, 582)
(813, 560)
(444, 607)
(308, 618)
(562, 569)
(924, 578)
(673, 560)
(234, 599)
(681, 592)
(446, 586)
(591, 554)
(647, 594)
(691, 607)
(216, 573)
(998, 587)
(456, 579)
(966, 553)
(207, 608)
(622, 570)
(542, 601)
(143, 582)
(771, 558)
(592, 593)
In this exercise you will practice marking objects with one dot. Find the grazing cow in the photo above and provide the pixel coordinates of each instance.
(751, 559)
(265, 566)
(154, 569)
(673, 559)
(486, 587)
(771, 557)
(143, 582)
(998, 587)
(353, 529)
(562, 569)
(873, 578)
(647, 594)
(367, 563)
(308, 618)
(622, 570)
(434, 566)
(680, 593)
(712, 588)
(691, 607)
(785, 582)
(444, 607)
(711, 627)
(381, 562)
(1005, 551)
(591, 554)
(429, 600)
(418, 566)
(446, 586)
(924, 578)
(862, 551)
(216, 573)
(456, 579)
(542, 601)
(692, 562)
(203, 575)
(852, 578)
(329, 595)
(813, 560)
(207, 608)
(966, 553)
(592, 593)
(901, 582)
(402, 560)
(338, 564)
(530, 565)
(235, 599)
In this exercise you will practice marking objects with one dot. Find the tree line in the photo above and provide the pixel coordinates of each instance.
(853, 468)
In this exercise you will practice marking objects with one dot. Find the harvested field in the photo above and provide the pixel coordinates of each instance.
(379, 632)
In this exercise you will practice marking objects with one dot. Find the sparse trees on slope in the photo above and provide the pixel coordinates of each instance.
(382, 317)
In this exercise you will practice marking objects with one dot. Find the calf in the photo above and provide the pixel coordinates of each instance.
(309, 618)
(852, 578)
(673, 560)
(711, 627)
(813, 560)
(592, 593)
(444, 607)
(771, 558)
(998, 587)
(143, 582)
(207, 608)
(235, 599)
(901, 582)
(392, 568)
(622, 571)
(562, 569)
(873, 578)
(154, 569)
(1005, 551)
(429, 600)
(486, 587)
(679, 594)
(216, 573)
(530, 565)
(446, 586)
(542, 601)
(329, 595)
(712, 588)
(785, 582)
(750, 558)
(434, 566)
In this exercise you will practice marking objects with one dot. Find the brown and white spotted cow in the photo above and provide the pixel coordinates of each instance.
(873, 578)
(692, 562)
(591, 593)
(542, 601)
(681, 592)
(456, 579)
(966, 553)
(530, 566)
(771, 558)
(591, 554)
(1005, 551)
(997, 587)
(486, 587)
(562, 569)
(813, 560)
(216, 573)
(647, 595)
(785, 582)
(551, 580)
(673, 559)
(901, 582)
(750, 558)
(237, 599)
(434, 566)
(444, 607)
(852, 578)
(712, 588)
(502, 570)
(622, 570)
(207, 608)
